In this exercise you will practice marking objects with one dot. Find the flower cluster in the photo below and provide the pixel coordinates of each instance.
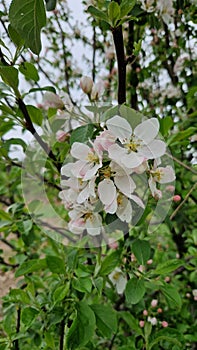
(100, 180)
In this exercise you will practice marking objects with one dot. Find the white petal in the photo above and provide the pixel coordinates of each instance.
(94, 224)
(147, 130)
(66, 170)
(119, 127)
(83, 195)
(167, 174)
(77, 226)
(112, 207)
(132, 160)
(79, 169)
(80, 151)
(116, 152)
(91, 172)
(125, 184)
(155, 149)
(124, 211)
(106, 191)
(121, 284)
(137, 200)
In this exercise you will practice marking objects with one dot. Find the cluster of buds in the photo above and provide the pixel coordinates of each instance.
(100, 179)
(94, 91)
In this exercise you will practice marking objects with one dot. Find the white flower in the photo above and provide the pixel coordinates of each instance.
(83, 218)
(89, 161)
(152, 320)
(162, 176)
(166, 10)
(147, 5)
(136, 146)
(118, 279)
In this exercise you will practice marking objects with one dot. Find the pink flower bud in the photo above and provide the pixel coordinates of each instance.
(86, 84)
(170, 188)
(61, 135)
(159, 310)
(167, 279)
(141, 323)
(176, 198)
(112, 244)
(149, 262)
(164, 324)
(97, 90)
(154, 302)
(145, 313)
(52, 100)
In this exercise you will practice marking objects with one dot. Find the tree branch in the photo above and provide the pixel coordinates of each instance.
(30, 127)
(120, 53)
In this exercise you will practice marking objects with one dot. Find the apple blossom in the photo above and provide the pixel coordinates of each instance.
(162, 176)
(154, 302)
(152, 320)
(118, 279)
(136, 146)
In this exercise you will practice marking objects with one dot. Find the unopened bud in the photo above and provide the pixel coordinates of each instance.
(52, 100)
(176, 198)
(86, 84)
(97, 91)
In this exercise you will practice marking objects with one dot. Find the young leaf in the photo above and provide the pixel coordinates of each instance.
(35, 114)
(29, 71)
(106, 319)
(28, 315)
(126, 6)
(168, 266)
(141, 250)
(135, 290)
(28, 17)
(171, 295)
(83, 284)
(15, 37)
(10, 76)
(30, 266)
(109, 263)
(97, 13)
(82, 133)
(82, 328)
(55, 264)
(114, 12)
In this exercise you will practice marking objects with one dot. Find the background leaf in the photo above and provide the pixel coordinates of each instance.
(28, 17)
(106, 319)
(141, 250)
(135, 290)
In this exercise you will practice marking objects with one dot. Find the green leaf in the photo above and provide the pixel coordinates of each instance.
(10, 76)
(165, 125)
(82, 133)
(28, 17)
(114, 12)
(181, 135)
(5, 216)
(30, 266)
(15, 37)
(55, 264)
(135, 290)
(109, 263)
(60, 293)
(97, 13)
(28, 315)
(29, 71)
(82, 328)
(141, 250)
(83, 284)
(13, 141)
(168, 266)
(45, 88)
(19, 295)
(106, 319)
(50, 4)
(171, 295)
(126, 6)
(131, 321)
(35, 114)
(165, 338)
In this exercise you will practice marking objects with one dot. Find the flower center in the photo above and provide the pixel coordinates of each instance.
(157, 174)
(120, 199)
(92, 158)
(133, 144)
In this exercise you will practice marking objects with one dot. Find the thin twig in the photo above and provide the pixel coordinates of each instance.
(120, 53)
(62, 326)
(181, 163)
(183, 202)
